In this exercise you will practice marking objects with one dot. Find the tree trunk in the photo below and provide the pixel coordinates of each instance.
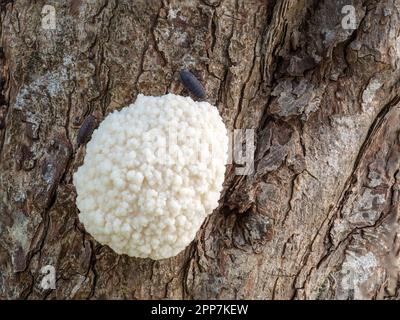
(319, 216)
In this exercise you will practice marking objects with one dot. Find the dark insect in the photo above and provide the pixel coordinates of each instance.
(192, 84)
(86, 129)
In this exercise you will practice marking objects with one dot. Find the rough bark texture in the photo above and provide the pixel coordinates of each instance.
(318, 218)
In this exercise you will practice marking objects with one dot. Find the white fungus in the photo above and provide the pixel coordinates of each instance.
(152, 173)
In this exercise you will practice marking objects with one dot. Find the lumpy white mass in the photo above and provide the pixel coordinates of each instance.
(152, 173)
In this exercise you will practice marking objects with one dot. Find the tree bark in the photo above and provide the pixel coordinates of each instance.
(319, 216)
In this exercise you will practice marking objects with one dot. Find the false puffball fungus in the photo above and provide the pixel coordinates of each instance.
(152, 173)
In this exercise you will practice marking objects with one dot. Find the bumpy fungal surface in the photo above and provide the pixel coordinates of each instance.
(152, 173)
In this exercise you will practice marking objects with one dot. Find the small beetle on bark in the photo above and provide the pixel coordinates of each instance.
(192, 84)
(86, 130)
